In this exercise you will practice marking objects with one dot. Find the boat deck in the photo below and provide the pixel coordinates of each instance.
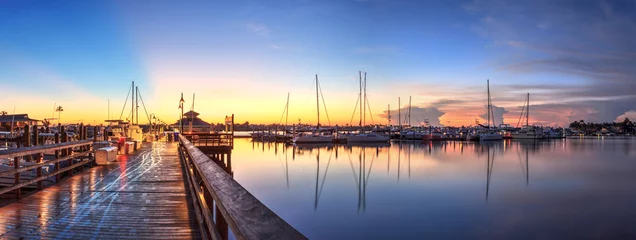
(142, 196)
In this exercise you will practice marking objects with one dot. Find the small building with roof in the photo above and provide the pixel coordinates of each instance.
(15, 120)
(198, 125)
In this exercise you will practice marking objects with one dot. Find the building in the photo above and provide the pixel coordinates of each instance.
(17, 120)
(198, 125)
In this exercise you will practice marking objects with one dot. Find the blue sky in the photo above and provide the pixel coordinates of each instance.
(242, 57)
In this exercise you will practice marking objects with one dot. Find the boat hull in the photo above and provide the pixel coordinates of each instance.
(367, 138)
(313, 139)
(490, 137)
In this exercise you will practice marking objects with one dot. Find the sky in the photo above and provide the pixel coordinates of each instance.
(576, 58)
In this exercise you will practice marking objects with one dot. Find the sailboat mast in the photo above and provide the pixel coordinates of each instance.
(317, 104)
(528, 111)
(400, 113)
(364, 119)
(132, 100)
(137, 105)
(287, 111)
(360, 97)
(409, 110)
(389, 116)
(488, 90)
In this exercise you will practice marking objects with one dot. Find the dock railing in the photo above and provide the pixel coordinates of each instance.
(63, 152)
(215, 193)
(211, 139)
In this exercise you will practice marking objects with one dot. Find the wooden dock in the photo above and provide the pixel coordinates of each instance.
(142, 196)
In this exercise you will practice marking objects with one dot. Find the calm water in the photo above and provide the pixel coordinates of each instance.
(509, 190)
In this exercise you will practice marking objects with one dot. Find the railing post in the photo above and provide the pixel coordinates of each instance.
(27, 140)
(39, 170)
(16, 165)
(57, 156)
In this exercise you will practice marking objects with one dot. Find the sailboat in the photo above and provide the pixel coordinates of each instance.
(527, 131)
(363, 136)
(489, 134)
(316, 136)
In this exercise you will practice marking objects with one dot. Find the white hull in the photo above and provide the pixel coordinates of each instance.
(526, 136)
(313, 139)
(367, 138)
(490, 137)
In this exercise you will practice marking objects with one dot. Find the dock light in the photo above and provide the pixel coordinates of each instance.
(181, 117)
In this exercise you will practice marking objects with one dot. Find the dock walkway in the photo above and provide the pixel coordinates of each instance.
(142, 196)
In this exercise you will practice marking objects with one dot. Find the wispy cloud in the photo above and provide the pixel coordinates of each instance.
(591, 42)
(259, 28)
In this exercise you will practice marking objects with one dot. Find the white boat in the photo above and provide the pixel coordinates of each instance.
(489, 134)
(552, 134)
(527, 132)
(313, 138)
(412, 135)
(366, 137)
(362, 136)
(316, 136)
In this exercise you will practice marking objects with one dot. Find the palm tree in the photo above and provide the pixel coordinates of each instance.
(59, 109)
(3, 113)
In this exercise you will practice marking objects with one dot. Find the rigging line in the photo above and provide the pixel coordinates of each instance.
(322, 184)
(522, 111)
(369, 172)
(122, 110)
(370, 113)
(325, 105)
(144, 105)
(282, 115)
(354, 111)
(355, 176)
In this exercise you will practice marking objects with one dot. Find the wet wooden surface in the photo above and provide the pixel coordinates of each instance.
(142, 196)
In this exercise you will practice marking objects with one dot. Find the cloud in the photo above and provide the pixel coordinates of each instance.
(258, 28)
(418, 116)
(274, 46)
(497, 115)
(629, 114)
(591, 42)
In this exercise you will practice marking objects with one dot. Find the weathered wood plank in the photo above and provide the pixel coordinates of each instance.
(247, 216)
(138, 198)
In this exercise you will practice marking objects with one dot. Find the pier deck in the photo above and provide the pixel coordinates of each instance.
(142, 196)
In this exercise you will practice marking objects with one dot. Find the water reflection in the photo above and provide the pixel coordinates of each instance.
(437, 189)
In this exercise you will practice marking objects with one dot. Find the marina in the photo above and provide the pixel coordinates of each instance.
(162, 120)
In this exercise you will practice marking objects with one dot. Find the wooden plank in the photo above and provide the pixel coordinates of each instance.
(141, 197)
(247, 216)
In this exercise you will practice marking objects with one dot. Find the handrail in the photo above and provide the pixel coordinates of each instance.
(36, 153)
(247, 217)
(19, 152)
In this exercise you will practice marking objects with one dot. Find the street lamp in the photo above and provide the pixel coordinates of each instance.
(181, 117)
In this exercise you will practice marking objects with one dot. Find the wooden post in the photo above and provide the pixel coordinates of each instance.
(229, 164)
(39, 169)
(36, 136)
(26, 137)
(66, 151)
(16, 165)
(57, 155)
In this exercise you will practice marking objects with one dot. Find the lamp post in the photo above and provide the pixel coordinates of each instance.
(181, 117)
